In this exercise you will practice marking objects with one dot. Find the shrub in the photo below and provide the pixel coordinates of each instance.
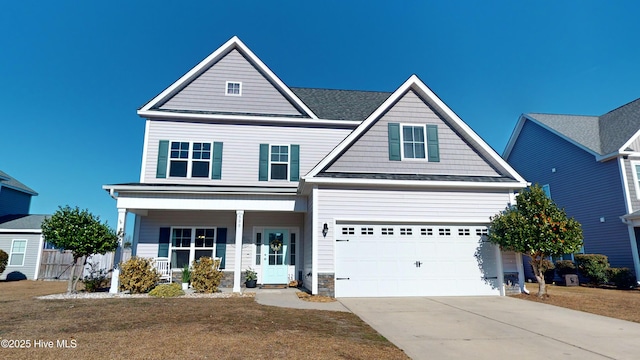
(593, 266)
(204, 276)
(622, 278)
(565, 267)
(4, 260)
(96, 279)
(167, 290)
(137, 275)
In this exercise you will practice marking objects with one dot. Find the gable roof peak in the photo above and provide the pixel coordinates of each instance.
(431, 99)
(232, 44)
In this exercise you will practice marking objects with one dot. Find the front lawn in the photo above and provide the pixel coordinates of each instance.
(620, 304)
(188, 328)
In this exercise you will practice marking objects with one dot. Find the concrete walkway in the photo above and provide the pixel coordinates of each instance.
(495, 328)
(288, 298)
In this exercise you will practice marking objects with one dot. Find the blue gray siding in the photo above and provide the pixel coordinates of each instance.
(28, 269)
(370, 153)
(13, 201)
(208, 91)
(588, 190)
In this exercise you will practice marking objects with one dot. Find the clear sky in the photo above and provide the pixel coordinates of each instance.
(73, 73)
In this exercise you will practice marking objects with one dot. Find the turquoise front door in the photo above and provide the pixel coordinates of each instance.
(274, 252)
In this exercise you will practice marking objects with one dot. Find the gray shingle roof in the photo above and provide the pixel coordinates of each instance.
(421, 177)
(341, 104)
(21, 222)
(6, 180)
(582, 129)
(617, 126)
(601, 134)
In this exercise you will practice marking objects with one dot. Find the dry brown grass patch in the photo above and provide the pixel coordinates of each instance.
(314, 298)
(619, 304)
(190, 328)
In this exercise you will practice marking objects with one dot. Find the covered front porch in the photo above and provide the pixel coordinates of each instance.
(264, 232)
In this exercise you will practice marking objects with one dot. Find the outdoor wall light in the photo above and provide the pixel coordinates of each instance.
(325, 229)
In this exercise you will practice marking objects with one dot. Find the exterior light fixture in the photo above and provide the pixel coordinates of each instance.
(325, 229)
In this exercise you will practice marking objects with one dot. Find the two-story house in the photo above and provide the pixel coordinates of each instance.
(589, 165)
(354, 193)
(20, 233)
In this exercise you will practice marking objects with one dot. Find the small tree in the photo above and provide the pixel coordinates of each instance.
(538, 228)
(81, 232)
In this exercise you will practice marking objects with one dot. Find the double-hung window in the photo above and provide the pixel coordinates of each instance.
(18, 251)
(413, 144)
(188, 159)
(189, 244)
(413, 141)
(279, 162)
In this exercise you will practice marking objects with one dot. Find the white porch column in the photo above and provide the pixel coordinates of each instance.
(115, 283)
(634, 249)
(520, 267)
(500, 269)
(314, 240)
(237, 268)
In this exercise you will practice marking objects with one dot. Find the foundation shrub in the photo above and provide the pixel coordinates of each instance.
(565, 267)
(205, 278)
(4, 259)
(167, 290)
(137, 275)
(623, 278)
(593, 266)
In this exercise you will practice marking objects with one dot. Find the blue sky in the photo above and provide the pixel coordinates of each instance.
(73, 73)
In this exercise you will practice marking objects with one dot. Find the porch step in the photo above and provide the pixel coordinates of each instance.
(274, 286)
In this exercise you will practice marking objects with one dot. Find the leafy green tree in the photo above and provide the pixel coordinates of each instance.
(538, 228)
(81, 232)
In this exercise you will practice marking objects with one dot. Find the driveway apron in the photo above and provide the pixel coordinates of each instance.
(495, 328)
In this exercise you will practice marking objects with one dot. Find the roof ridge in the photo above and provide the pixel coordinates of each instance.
(314, 88)
(620, 107)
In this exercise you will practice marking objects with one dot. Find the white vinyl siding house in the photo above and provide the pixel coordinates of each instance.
(287, 171)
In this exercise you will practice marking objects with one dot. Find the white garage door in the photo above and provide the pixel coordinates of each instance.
(414, 260)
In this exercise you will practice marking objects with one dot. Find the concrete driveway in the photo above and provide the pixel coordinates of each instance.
(495, 328)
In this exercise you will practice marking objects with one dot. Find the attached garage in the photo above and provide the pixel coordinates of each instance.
(389, 260)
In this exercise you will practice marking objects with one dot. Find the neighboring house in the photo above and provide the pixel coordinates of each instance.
(20, 233)
(354, 193)
(590, 166)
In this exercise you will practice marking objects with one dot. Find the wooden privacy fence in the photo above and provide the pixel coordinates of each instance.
(56, 264)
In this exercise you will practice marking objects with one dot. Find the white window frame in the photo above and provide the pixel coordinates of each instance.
(192, 244)
(288, 162)
(424, 134)
(226, 88)
(636, 185)
(190, 159)
(13, 252)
